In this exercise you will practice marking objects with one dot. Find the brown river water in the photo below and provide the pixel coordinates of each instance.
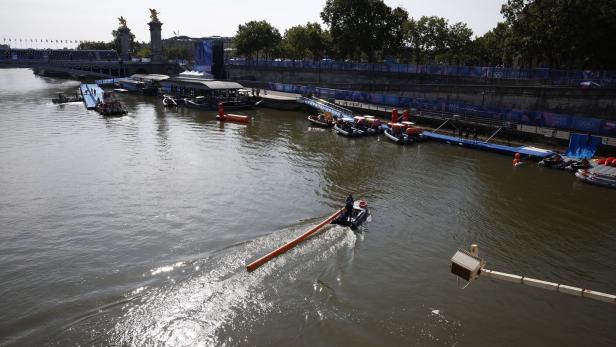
(136, 231)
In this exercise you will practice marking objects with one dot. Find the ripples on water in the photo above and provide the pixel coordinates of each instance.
(136, 230)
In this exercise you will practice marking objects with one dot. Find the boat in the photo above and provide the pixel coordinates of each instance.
(242, 104)
(578, 164)
(203, 103)
(555, 161)
(109, 105)
(169, 101)
(404, 133)
(359, 215)
(227, 117)
(348, 129)
(198, 102)
(597, 178)
(323, 120)
(356, 218)
(61, 98)
(602, 174)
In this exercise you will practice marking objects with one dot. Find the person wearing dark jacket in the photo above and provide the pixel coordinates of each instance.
(349, 207)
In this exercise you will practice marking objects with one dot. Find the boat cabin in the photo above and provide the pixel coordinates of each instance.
(143, 83)
(208, 89)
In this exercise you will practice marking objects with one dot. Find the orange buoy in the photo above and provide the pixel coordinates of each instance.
(221, 116)
(412, 131)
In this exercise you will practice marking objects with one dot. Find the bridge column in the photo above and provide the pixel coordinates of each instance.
(124, 33)
(156, 44)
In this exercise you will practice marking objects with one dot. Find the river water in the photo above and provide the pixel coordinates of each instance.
(136, 231)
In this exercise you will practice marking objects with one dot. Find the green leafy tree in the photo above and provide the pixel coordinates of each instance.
(363, 27)
(562, 33)
(178, 53)
(143, 52)
(428, 37)
(458, 43)
(95, 45)
(494, 48)
(257, 37)
(309, 41)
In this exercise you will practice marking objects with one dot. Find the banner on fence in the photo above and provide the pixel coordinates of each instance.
(534, 118)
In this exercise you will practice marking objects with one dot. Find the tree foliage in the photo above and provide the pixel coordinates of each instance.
(562, 33)
(309, 41)
(363, 28)
(257, 37)
(550, 33)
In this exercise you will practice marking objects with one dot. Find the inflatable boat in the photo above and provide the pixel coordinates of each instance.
(355, 218)
(348, 129)
(321, 120)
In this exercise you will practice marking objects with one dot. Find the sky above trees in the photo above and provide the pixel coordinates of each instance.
(83, 20)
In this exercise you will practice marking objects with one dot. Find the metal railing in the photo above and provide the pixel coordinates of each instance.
(547, 76)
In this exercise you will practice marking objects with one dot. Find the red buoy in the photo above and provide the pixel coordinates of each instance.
(608, 161)
(405, 116)
(221, 116)
(394, 116)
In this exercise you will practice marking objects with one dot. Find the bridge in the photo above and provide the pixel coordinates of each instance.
(81, 63)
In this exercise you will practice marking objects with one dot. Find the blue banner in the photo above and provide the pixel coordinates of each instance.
(536, 118)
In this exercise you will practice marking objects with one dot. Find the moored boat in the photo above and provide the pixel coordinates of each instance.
(109, 105)
(203, 103)
(61, 98)
(348, 129)
(404, 133)
(602, 174)
(323, 120)
(555, 161)
(168, 101)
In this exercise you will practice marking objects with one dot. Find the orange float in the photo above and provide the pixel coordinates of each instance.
(282, 249)
(221, 116)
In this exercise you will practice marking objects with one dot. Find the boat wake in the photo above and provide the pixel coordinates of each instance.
(220, 296)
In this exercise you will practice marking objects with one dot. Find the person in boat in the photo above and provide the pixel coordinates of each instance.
(348, 205)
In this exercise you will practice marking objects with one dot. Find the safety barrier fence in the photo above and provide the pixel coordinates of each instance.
(532, 118)
(554, 77)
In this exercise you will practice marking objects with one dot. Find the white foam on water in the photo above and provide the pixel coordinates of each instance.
(222, 294)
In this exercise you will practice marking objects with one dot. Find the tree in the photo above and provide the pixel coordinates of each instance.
(178, 53)
(458, 43)
(257, 37)
(363, 27)
(428, 37)
(563, 33)
(494, 48)
(301, 42)
(95, 45)
(143, 52)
